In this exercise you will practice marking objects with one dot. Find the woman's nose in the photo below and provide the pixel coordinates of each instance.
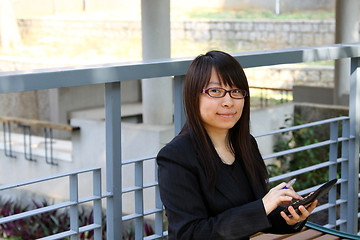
(227, 100)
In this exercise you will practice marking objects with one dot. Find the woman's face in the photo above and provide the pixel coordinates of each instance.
(219, 114)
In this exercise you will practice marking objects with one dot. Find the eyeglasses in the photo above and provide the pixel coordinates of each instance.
(220, 92)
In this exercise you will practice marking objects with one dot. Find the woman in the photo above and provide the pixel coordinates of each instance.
(212, 178)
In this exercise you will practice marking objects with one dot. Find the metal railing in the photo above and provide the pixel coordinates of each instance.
(112, 75)
(73, 203)
(26, 125)
(336, 124)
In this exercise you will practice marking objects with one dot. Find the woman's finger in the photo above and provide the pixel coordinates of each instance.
(294, 215)
(279, 186)
(312, 206)
(285, 217)
(291, 193)
(304, 212)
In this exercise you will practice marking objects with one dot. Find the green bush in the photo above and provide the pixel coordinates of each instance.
(302, 159)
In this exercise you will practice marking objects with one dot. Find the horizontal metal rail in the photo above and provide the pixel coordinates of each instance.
(135, 160)
(109, 73)
(42, 179)
(298, 127)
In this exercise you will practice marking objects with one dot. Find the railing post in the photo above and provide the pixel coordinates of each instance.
(179, 114)
(354, 113)
(113, 160)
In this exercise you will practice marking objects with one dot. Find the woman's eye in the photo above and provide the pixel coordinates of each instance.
(215, 90)
(236, 91)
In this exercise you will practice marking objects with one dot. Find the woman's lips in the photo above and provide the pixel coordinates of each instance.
(227, 115)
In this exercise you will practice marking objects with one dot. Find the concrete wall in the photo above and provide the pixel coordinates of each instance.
(310, 112)
(255, 34)
(316, 95)
(258, 34)
(320, 95)
(288, 75)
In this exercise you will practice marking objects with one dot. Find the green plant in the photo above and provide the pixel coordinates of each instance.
(253, 14)
(51, 222)
(302, 159)
(129, 233)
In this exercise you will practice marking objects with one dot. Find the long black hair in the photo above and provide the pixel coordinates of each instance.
(230, 73)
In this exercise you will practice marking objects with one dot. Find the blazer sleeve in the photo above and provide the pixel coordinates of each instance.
(279, 225)
(186, 208)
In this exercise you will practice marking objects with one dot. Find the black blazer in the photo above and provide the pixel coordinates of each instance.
(195, 211)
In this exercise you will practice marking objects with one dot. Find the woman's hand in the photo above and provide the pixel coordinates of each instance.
(278, 196)
(295, 217)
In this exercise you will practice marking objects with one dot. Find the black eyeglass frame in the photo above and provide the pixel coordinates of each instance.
(245, 93)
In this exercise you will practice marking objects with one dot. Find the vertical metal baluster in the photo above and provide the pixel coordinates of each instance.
(5, 142)
(97, 203)
(333, 171)
(158, 205)
(30, 147)
(344, 174)
(74, 198)
(139, 199)
(50, 140)
(52, 162)
(30, 158)
(24, 133)
(45, 145)
(10, 153)
(10, 143)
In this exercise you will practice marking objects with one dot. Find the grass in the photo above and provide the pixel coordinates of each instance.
(204, 13)
(253, 15)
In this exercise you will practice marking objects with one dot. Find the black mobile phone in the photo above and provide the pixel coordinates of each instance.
(311, 197)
